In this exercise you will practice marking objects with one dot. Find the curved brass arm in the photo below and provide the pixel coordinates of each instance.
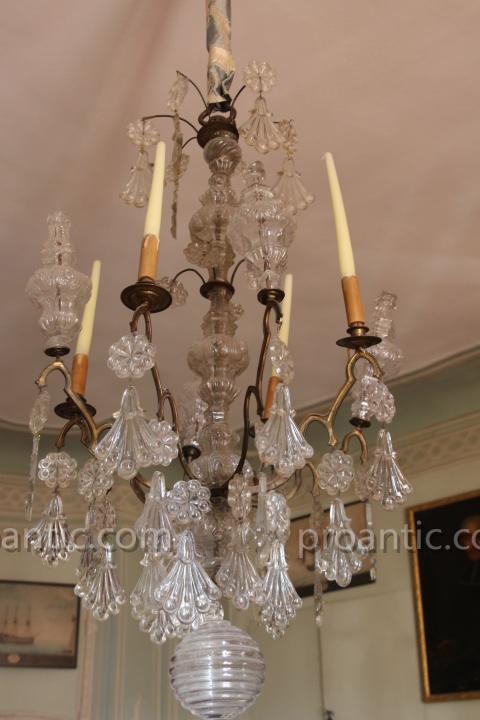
(358, 434)
(328, 419)
(87, 420)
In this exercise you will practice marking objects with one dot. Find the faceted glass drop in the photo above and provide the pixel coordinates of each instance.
(154, 527)
(50, 538)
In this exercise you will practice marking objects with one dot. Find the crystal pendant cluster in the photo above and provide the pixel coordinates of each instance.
(220, 531)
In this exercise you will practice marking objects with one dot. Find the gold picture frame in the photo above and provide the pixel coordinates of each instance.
(450, 671)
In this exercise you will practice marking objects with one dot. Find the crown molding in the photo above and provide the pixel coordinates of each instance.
(450, 362)
(440, 444)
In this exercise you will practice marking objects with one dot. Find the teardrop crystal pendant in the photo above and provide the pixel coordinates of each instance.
(154, 527)
(237, 577)
(102, 592)
(134, 442)
(137, 189)
(279, 442)
(335, 472)
(338, 559)
(259, 130)
(187, 595)
(50, 538)
(37, 421)
(381, 479)
(280, 601)
(290, 188)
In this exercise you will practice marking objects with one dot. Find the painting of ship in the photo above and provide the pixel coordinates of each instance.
(13, 633)
(38, 625)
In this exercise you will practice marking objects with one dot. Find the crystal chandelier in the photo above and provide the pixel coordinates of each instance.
(221, 531)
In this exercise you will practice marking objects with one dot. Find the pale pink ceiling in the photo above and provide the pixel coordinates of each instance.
(390, 88)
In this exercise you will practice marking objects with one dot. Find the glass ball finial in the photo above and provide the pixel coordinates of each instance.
(217, 671)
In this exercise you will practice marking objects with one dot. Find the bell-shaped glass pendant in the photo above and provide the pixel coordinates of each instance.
(381, 478)
(291, 189)
(237, 577)
(154, 527)
(50, 538)
(279, 441)
(137, 189)
(280, 599)
(145, 608)
(339, 559)
(217, 671)
(259, 130)
(187, 595)
(101, 591)
(335, 472)
(134, 442)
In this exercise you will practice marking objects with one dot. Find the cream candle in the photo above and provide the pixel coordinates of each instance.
(153, 218)
(84, 341)
(286, 308)
(344, 244)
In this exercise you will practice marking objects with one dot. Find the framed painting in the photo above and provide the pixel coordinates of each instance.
(446, 578)
(38, 625)
(301, 563)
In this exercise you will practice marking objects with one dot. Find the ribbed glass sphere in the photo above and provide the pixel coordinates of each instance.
(217, 671)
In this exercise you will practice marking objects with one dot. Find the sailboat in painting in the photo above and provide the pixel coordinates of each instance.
(13, 633)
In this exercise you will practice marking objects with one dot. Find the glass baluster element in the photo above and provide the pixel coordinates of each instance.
(335, 472)
(338, 558)
(188, 501)
(371, 398)
(261, 230)
(235, 676)
(154, 527)
(134, 442)
(279, 441)
(131, 356)
(94, 480)
(281, 359)
(57, 288)
(281, 600)
(192, 417)
(187, 595)
(37, 421)
(103, 594)
(387, 352)
(381, 478)
(137, 188)
(319, 604)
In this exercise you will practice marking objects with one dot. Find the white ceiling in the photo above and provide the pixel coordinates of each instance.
(391, 88)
